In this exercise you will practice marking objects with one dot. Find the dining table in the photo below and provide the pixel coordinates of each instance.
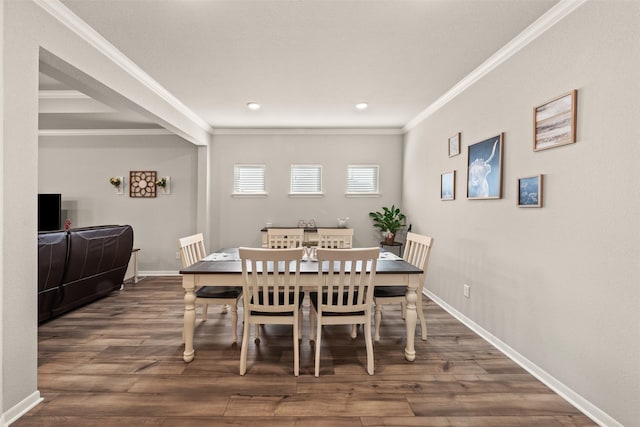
(224, 268)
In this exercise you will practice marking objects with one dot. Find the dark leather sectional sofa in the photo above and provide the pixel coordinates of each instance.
(79, 266)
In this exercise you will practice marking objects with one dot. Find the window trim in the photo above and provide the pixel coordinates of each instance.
(306, 193)
(375, 193)
(261, 166)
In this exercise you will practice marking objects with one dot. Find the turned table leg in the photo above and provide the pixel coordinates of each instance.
(410, 320)
(188, 283)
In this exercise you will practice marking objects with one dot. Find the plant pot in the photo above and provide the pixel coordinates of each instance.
(389, 238)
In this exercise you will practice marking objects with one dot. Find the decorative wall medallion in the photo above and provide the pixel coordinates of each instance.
(142, 183)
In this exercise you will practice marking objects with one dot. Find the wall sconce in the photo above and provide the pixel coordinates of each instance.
(165, 184)
(118, 184)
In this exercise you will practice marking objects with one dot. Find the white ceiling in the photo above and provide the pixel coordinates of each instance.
(307, 62)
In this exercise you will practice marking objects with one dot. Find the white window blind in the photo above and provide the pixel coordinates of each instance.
(249, 179)
(362, 179)
(306, 179)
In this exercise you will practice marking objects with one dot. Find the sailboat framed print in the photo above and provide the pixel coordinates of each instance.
(448, 186)
(530, 192)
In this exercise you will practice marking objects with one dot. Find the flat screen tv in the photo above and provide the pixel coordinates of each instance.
(49, 212)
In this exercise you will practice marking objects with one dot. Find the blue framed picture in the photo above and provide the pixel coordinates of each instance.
(484, 172)
(454, 145)
(448, 186)
(530, 192)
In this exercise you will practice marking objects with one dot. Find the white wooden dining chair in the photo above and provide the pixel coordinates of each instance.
(336, 238)
(416, 252)
(344, 294)
(192, 250)
(271, 288)
(281, 238)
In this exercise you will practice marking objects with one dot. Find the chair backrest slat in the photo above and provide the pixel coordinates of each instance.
(282, 238)
(271, 279)
(337, 238)
(417, 250)
(191, 249)
(349, 278)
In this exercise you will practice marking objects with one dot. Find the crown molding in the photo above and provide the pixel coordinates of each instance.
(62, 94)
(71, 21)
(554, 15)
(103, 132)
(307, 131)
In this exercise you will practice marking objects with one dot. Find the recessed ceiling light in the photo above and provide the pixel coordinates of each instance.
(253, 106)
(362, 105)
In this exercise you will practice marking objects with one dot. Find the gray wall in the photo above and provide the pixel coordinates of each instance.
(28, 29)
(79, 168)
(2, 404)
(560, 284)
(19, 221)
(237, 221)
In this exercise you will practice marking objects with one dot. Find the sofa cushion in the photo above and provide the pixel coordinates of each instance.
(96, 264)
(52, 259)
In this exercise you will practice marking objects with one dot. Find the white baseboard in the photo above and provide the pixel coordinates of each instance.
(21, 408)
(586, 407)
(158, 273)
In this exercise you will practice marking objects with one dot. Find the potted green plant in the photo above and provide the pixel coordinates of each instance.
(389, 221)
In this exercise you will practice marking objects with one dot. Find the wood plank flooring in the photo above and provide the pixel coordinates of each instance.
(118, 362)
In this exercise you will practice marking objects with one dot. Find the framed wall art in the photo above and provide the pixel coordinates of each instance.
(530, 192)
(142, 183)
(454, 145)
(484, 168)
(554, 122)
(448, 186)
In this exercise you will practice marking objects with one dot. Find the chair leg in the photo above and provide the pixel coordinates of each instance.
(205, 306)
(354, 331)
(423, 322)
(234, 322)
(403, 305)
(378, 319)
(243, 350)
(257, 339)
(318, 338)
(367, 339)
(296, 346)
(312, 319)
(224, 308)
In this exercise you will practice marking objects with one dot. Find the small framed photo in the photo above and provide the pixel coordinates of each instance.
(530, 192)
(484, 169)
(448, 186)
(454, 145)
(554, 122)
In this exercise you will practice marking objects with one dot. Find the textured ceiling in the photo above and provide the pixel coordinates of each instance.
(307, 62)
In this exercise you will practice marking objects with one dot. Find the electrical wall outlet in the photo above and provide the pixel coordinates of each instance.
(466, 290)
(177, 254)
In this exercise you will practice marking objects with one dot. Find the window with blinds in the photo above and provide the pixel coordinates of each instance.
(249, 180)
(306, 180)
(362, 179)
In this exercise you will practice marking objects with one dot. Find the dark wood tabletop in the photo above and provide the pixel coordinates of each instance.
(234, 266)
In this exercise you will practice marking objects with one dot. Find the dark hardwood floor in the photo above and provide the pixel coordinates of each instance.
(118, 362)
